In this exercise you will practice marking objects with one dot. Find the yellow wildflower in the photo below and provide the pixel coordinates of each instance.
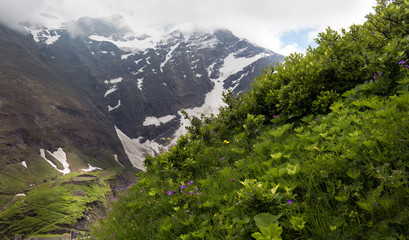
(226, 142)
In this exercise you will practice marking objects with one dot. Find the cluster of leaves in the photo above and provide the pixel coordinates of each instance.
(330, 163)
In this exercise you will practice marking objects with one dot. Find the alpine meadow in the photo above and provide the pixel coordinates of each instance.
(317, 149)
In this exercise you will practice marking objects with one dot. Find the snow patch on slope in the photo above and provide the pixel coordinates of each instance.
(139, 83)
(60, 156)
(47, 36)
(24, 164)
(125, 56)
(91, 168)
(110, 90)
(117, 160)
(157, 121)
(114, 81)
(117, 106)
(136, 150)
(169, 55)
(128, 43)
(233, 65)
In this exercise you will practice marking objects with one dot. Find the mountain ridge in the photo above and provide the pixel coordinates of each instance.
(181, 69)
(125, 92)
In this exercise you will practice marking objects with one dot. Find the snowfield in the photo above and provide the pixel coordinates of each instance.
(157, 121)
(128, 43)
(60, 156)
(48, 36)
(136, 150)
(91, 168)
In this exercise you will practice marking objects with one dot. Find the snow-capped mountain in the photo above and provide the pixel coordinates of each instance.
(145, 81)
(138, 83)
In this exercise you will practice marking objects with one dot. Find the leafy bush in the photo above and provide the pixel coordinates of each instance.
(331, 162)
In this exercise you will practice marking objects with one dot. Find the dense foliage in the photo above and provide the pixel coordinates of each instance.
(317, 150)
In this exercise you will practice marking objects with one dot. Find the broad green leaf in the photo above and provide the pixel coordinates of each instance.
(342, 199)
(265, 219)
(353, 173)
(276, 156)
(367, 206)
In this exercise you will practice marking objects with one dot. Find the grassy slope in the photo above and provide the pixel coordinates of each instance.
(56, 204)
(341, 175)
(53, 201)
(345, 174)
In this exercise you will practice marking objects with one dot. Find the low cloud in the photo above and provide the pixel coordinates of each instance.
(260, 21)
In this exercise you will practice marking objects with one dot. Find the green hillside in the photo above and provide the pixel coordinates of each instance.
(317, 150)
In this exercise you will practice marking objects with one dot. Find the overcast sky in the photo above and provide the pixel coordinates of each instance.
(283, 26)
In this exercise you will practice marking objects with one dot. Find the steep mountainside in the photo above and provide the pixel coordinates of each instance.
(94, 92)
(44, 107)
(146, 81)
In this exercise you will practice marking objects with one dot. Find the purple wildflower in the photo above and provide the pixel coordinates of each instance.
(232, 180)
(274, 116)
(290, 202)
(191, 181)
(222, 158)
(402, 62)
(169, 193)
(197, 189)
(190, 193)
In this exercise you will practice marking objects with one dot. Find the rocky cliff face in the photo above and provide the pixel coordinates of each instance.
(42, 106)
(95, 87)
